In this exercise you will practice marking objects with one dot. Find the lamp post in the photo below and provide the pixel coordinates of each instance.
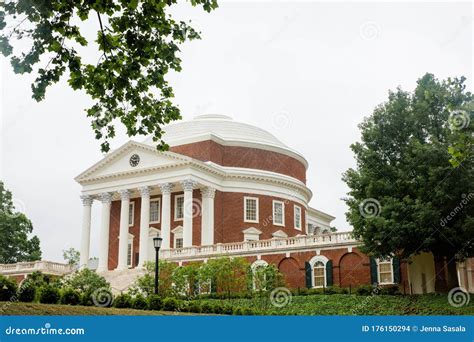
(157, 244)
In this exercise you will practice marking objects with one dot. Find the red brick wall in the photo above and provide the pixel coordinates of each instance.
(245, 157)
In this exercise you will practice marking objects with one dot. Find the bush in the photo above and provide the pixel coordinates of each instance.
(155, 302)
(238, 311)
(27, 293)
(194, 307)
(48, 294)
(123, 301)
(70, 297)
(391, 290)
(139, 303)
(87, 282)
(207, 308)
(364, 290)
(170, 304)
(8, 289)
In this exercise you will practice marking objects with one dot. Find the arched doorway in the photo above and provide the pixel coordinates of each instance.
(294, 276)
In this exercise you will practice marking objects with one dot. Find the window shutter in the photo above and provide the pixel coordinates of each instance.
(396, 270)
(329, 273)
(373, 271)
(307, 267)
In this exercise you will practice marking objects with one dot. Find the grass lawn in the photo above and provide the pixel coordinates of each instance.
(340, 304)
(336, 304)
(36, 309)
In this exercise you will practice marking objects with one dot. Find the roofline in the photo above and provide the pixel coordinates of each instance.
(317, 212)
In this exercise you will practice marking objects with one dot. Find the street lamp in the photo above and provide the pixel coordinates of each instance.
(157, 244)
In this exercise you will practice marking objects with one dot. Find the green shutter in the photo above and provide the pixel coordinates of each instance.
(396, 270)
(329, 273)
(373, 271)
(307, 268)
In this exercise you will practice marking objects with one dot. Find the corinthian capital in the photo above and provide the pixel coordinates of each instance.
(166, 188)
(87, 200)
(124, 195)
(208, 192)
(105, 197)
(145, 191)
(188, 184)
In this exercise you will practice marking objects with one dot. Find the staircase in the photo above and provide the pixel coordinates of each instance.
(121, 281)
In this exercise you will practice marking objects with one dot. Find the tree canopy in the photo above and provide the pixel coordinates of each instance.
(405, 196)
(15, 229)
(138, 44)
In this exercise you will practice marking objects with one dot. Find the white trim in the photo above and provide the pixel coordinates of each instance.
(378, 261)
(256, 209)
(176, 206)
(252, 234)
(132, 204)
(177, 234)
(312, 262)
(257, 263)
(130, 243)
(282, 224)
(294, 216)
(159, 209)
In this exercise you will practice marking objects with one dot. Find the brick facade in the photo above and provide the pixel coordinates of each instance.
(246, 157)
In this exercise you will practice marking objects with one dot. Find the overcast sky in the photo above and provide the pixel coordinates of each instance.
(306, 72)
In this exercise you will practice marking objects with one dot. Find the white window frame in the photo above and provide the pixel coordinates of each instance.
(177, 234)
(130, 245)
(384, 261)
(159, 209)
(256, 209)
(176, 207)
(131, 210)
(297, 207)
(282, 224)
(312, 262)
(256, 264)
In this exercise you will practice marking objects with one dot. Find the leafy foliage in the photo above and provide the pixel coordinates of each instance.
(8, 289)
(27, 292)
(86, 282)
(138, 44)
(72, 256)
(49, 294)
(70, 297)
(15, 228)
(404, 164)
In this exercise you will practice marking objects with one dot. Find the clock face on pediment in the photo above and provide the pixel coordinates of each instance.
(134, 160)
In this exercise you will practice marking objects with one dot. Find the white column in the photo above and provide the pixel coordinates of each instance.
(123, 235)
(106, 199)
(207, 226)
(144, 225)
(86, 230)
(188, 186)
(166, 215)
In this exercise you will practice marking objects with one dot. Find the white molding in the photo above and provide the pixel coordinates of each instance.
(312, 262)
(159, 209)
(282, 224)
(132, 210)
(280, 234)
(378, 261)
(295, 207)
(256, 209)
(251, 234)
(175, 218)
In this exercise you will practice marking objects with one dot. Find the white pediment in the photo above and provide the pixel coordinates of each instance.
(252, 230)
(280, 234)
(118, 162)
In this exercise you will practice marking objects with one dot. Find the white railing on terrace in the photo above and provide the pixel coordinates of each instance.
(248, 247)
(48, 267)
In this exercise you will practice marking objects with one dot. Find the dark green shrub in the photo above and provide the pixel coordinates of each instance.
(238, 311)
(123, 301)
(227, 309)
(48, 294)
(248, 311)
(390, 290)
(207, 308)
(27, 293)
(364, 290)
(155, 302)
(194, 307)
(70, 297)
(8, 289)
(139, 303)
(218, 309)
(170, 304)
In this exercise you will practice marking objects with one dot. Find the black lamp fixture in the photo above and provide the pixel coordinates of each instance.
(157, 244)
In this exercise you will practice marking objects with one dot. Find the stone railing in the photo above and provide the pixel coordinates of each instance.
(47, 267)
(252, 247)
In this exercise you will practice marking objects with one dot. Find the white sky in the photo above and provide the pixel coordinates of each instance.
(307, 72)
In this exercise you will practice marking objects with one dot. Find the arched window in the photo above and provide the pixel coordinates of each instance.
(258, 275)
(318, 275)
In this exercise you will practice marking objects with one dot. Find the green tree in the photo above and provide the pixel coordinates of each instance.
(71, 256)
(15, 229)
(137, 45)
(405, 197)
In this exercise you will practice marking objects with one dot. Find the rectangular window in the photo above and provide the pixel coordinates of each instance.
(385, 271)
(319, 275)
(251, 209)
(131, 213)
(297, 217)
(278, 213)
(178, 207)
(178, 243)
(129, 254)
(155, 211)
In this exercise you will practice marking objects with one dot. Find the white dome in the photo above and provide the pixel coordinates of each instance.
(226, 130)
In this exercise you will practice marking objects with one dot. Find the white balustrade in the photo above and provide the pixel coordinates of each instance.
(48, 267)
